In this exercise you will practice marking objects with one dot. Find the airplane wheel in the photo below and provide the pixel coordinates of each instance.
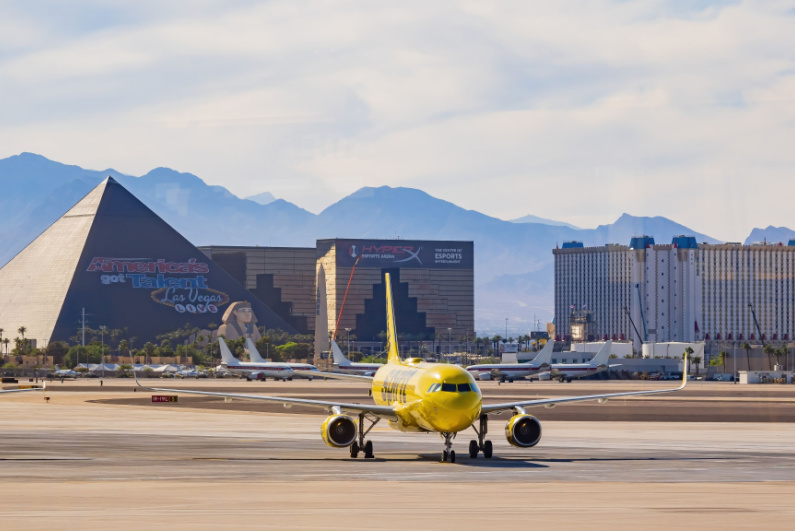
(473, 449)
(354, 450)
(452, 456)
(444, 456)
(488, 449)
(368, 450)
(568, 380)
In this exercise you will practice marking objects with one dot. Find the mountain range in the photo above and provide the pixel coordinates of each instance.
(513, 259)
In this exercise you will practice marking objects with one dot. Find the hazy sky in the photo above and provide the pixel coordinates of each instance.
(571, 110)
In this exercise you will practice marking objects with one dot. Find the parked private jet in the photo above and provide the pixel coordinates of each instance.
(300, 370)
(515, 371)
(59, 373)
(416, 396)
(343, 365)
(566, 371)
(253, 370)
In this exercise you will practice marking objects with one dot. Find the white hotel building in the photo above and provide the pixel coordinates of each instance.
(682, 291)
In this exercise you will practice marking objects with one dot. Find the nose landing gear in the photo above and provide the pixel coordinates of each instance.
(448, 455)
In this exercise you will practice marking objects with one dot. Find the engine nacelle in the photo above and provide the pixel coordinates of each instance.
(523, 431)
(338, 431)
(484, 376)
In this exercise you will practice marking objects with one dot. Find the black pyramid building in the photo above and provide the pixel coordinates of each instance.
(113, 256)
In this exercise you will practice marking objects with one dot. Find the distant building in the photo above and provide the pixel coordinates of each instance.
(682, 291)
(432, 282)
(281, 277)
(591, 291)
(115, 259)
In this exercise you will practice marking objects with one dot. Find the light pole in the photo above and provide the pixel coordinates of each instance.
(102, 334)
(348, 330)
(450, 340)
(506, 328)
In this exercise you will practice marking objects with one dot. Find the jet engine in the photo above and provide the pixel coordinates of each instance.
(523, 431)
(338, 431)
(484, 376)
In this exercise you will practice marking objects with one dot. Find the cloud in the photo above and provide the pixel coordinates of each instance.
(569, 110)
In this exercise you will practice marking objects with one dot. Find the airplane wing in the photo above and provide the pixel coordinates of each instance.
(552, 402)
(343, 376)
(385, 412)
(24, 390)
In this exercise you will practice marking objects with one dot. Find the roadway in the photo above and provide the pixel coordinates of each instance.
(107, 456)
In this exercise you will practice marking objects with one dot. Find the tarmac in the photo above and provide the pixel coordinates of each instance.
(107, 457)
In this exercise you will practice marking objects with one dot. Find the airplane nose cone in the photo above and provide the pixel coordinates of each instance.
(455, 412)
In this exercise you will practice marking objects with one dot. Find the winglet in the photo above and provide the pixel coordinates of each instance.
(393, 356)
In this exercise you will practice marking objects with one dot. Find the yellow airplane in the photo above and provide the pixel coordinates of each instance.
(416, 396)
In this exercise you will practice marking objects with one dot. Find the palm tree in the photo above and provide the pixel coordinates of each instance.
(778, 353)
(767, 349)
(747, 348)
(22, 331)
(722, 357)
(149, 349)
(697, 361)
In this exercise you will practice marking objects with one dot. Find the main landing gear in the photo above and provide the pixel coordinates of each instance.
(481, 445)
(360, 444)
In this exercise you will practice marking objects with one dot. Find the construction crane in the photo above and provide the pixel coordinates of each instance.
(640, 337)
(759, 330)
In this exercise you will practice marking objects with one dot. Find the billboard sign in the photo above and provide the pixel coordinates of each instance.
(182, 286)
(426, 254)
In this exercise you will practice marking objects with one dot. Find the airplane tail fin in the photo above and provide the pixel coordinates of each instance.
(253, 353)
(56, 367)
(226, 354)
(393, 356)
(339, 357)
(545, 356)
(603, 355)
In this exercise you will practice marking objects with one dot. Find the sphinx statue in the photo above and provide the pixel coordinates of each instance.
(239, 321)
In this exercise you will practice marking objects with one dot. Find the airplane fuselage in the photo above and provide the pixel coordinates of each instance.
(269, 370)
(575, 370)
(365, 369)
(503, 370)
(428, 396)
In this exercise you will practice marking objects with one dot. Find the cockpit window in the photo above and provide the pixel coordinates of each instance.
(434, 387)
(464, 388)
(448, 388)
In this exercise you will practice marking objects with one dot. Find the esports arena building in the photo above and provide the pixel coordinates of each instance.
(339, 285)
(113, 258)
